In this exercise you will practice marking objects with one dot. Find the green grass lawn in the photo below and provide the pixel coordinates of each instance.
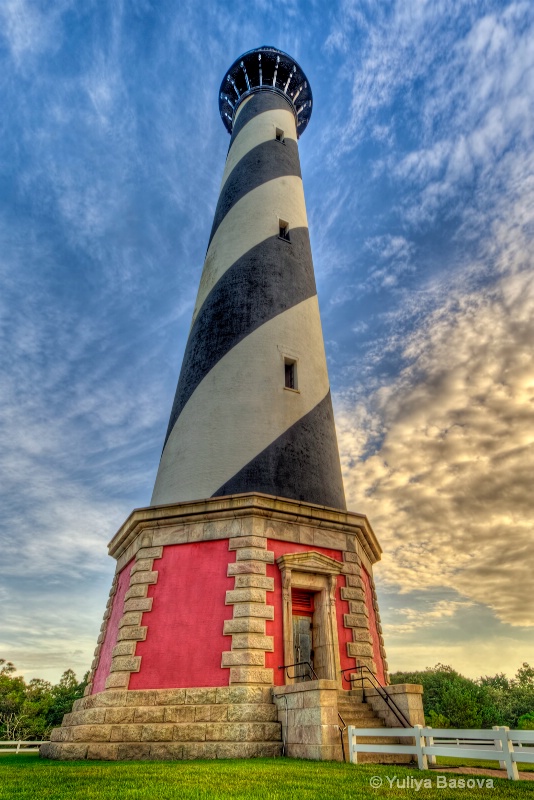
(26, 777)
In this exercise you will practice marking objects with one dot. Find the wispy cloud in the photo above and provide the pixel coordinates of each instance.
(448, 488)
(412, 620)
(28, 31)
(436, 430)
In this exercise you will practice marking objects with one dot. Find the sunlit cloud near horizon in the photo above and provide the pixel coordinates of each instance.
(418, 167)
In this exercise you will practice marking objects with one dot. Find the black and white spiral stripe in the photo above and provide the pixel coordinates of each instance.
(233, 427)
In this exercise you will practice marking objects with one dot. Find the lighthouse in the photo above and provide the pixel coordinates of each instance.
(243, 604)
(252, 410)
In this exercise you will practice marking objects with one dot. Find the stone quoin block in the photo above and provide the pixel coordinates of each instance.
(254, 554)
(138, 604)
(138, 590)
(255, 658)
(356, 621)
(257, 542)
(245, 596)
(142, 565)
(253, 610)
(251, 675)
(255, 582)
(252, 641)
(146, 576)
(247, 568)
(244, 625)
(126, 648)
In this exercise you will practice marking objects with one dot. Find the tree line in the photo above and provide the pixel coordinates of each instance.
(452, 701)
(30, 710)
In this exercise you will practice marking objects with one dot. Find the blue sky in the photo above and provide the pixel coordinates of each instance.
(418, 168)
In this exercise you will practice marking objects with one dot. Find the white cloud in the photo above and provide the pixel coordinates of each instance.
(27, 30)
(439, 454)
(410, 619)
(449, 488)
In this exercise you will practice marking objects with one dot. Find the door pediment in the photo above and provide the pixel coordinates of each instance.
(310, 561)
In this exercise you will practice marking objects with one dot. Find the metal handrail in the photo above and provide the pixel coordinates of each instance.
(341, 732)
(300, 664)
(382, 692)
(284, 730)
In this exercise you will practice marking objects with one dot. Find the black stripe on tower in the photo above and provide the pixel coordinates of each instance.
(265, 162)
(302, 463)
(269, 279)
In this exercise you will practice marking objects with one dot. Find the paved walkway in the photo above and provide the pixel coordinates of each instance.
(491, 773)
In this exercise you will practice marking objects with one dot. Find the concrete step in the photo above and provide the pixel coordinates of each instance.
(358, 723)
(357, 713)
(227, 722)
(170, 732)
(113, 751)
(361, 715)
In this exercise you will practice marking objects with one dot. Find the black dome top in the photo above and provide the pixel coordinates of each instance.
(265, 69)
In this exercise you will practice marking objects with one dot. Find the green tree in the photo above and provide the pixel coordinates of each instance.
(31, 710)
(514, 697)
(458, 702)
(526, 722)
(37, 701)
(450, 697)
(525, 676)
(63, 696)
(12, 694)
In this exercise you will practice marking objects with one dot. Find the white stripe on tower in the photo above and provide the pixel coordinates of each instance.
(237, 425)
(258, 131)
(251, 221)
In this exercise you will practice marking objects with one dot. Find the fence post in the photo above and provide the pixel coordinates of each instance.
(422, 760)
(429, 740)
(353, 746)
(508, 749)
(18, 747)
(498, 746)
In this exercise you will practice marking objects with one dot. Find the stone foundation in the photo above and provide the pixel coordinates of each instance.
(309, 718)
(169, 724)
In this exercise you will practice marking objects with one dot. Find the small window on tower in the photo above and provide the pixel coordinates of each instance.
(284, 230)
(279, 135)
(290, 367)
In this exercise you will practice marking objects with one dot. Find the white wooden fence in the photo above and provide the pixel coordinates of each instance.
(500, 744)
(20, 747)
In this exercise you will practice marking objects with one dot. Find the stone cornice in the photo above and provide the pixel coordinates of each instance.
(240, 505)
